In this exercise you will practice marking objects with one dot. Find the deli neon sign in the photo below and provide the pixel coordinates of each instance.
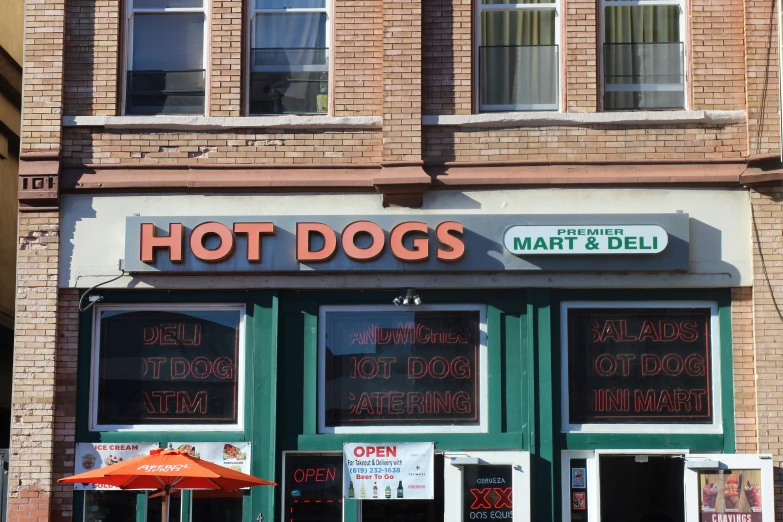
(174, 243)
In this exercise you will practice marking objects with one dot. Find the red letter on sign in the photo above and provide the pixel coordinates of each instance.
(254, 232)
(363, 254)
(303, 252)
(173, 242)
(446, 235)
(420, 251)
(223, 251)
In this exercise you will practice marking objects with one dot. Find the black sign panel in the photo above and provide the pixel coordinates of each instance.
(168, 367)
(487, 493)
(645, 365)
(313, 488)
(402, 368)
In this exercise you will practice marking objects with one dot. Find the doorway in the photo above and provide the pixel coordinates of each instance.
(409, 510)
(642, 488)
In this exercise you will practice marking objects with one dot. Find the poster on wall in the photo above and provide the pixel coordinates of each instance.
(402, 368)
(730, 495)
(164, 367)
(92, 456)
(388, 471)
(233, 455)
(487, 493)
(639, 365)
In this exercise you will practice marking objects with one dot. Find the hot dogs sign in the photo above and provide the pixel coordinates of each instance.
(422, 242)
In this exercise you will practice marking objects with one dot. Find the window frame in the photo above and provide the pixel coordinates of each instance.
(483, 374)
(95, 346)
(556, 6)
(684, 39)
(127, 55)
(715, 427)
(250, 23)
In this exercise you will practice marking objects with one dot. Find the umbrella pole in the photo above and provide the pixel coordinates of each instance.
(164, 515)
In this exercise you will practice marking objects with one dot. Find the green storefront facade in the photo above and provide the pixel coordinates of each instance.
(566, 383)
(523, 385)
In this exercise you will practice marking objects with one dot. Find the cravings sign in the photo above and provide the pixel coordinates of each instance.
(401, 368)
(639, 365)
(158, 367)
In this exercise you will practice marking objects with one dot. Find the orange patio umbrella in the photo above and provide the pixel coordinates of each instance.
(166, 470)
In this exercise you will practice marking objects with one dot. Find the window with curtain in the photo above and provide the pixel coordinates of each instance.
(166, 71)
(518, 55)
(289, 57)
(643, 55)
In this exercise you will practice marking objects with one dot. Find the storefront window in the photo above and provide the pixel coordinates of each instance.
(386, 370)
(635, 364)
(172, 366)
(117, 506)
(216, 506)
(487, 493)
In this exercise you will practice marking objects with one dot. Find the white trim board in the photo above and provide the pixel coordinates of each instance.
(543, 119)
(192, 123)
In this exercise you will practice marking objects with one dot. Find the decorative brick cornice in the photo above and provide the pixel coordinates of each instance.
(402, 184)
(39, 181)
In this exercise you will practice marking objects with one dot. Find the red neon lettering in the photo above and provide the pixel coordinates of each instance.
(504, 498)
(196, 405)
(480, 500)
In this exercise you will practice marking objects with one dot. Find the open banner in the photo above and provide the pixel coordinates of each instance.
(388, 471)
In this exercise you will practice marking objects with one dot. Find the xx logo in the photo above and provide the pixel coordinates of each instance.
(489, 498)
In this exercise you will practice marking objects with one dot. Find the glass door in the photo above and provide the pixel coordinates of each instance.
(487, 485)
(408, 510)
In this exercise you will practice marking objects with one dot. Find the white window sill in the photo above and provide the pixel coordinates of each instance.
(539, 119)
(208, 122)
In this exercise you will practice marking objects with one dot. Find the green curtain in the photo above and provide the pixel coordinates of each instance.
(518, 57)
(642, 47)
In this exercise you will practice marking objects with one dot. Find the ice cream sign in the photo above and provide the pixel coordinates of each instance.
(526, 240)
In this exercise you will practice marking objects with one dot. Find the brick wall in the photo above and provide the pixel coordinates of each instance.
(589, 142)
(358, 57)
(83, 145)
(91, 56)
(767, 212)
(65, 402)
(43, 75)
(225, 79)
(401, 80)
(743, 353)
(762, 76)
(447, 57)
(718, 50)
(579, 53)
(35, 355)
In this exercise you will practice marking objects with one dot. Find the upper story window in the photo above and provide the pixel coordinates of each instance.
(518, 55)
(165, 57)
(289, 57)
(644, 54)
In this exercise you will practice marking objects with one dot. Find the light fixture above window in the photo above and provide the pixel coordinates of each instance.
(410, 298)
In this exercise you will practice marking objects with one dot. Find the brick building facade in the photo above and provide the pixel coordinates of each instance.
(384, 113)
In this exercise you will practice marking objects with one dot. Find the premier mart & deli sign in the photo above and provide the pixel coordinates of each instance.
(589, 239)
